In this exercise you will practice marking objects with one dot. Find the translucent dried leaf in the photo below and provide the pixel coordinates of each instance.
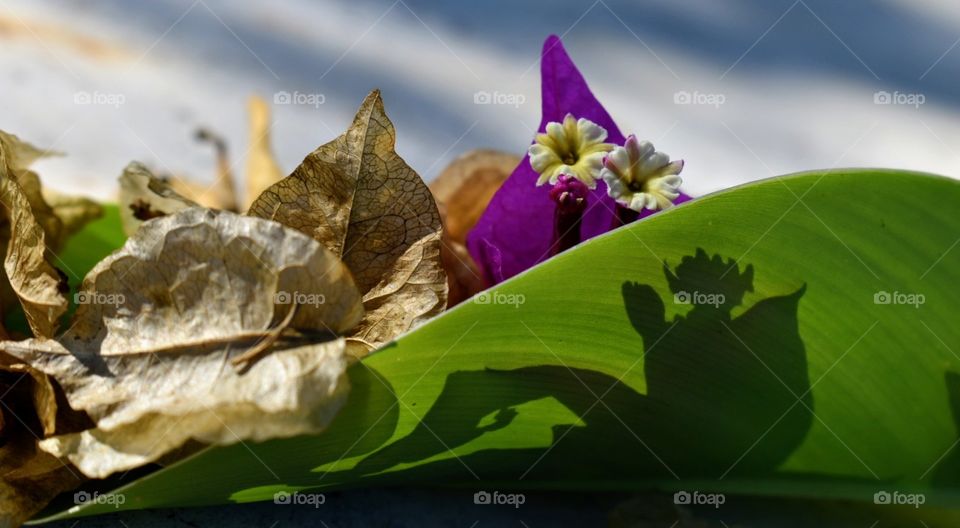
(59, 220)
(363, 202)
(20, 154)
(36, 283)
(464, 278)
(144, 196)
(44, 214)
(150, 355)
(465, 187)
(74, 212)
(202, 194)
(262, 167)
(43, 402)
(222, 193)
(29, 477)
(463, 191)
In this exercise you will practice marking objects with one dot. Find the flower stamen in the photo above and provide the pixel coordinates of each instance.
(570, 195)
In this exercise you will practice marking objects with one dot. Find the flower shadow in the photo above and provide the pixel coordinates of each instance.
(724, 396)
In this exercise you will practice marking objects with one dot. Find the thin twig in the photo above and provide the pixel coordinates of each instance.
(268, 340)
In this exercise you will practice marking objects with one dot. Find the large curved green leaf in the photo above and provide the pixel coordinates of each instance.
(586, 373)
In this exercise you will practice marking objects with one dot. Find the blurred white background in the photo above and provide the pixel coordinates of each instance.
(776, 86)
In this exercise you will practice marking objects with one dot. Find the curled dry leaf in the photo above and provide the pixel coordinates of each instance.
(465, 187)
(222, 193)
(74, 212)
(20, 154)
(60, 215)
(144, 196)
(357, 197)
(262, 167)
(463, 191)
(150, 354)
(29, 477)
(37, 284)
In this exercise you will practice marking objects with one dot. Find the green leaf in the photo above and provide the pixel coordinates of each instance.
(584, 373)
(88, 247)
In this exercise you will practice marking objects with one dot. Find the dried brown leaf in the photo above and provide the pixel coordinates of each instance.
(20, 154)
(44, 214)
(29, 477)
(262, 167)
(356, 196)
(149, 355)
(465, 187)
(60, 215)
(144, 196)
(222, 193)
(36, 283)
(463, 191)
(74, 212)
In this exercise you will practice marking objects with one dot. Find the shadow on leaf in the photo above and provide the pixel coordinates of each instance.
(725, 395)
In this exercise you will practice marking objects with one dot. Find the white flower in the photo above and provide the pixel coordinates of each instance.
(638, 177)
(574, 147)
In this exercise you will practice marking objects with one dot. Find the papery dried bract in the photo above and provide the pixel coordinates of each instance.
(149, 356)
(74, 213)
(144, 196)
(35, 282)
(221, 193)
(463, 190)
(356, 196)
(29, 477)
(262, 167)
(466, 185)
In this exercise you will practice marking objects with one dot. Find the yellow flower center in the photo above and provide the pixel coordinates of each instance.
(575, 147)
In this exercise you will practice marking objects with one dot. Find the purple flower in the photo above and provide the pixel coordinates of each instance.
(517, 230)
